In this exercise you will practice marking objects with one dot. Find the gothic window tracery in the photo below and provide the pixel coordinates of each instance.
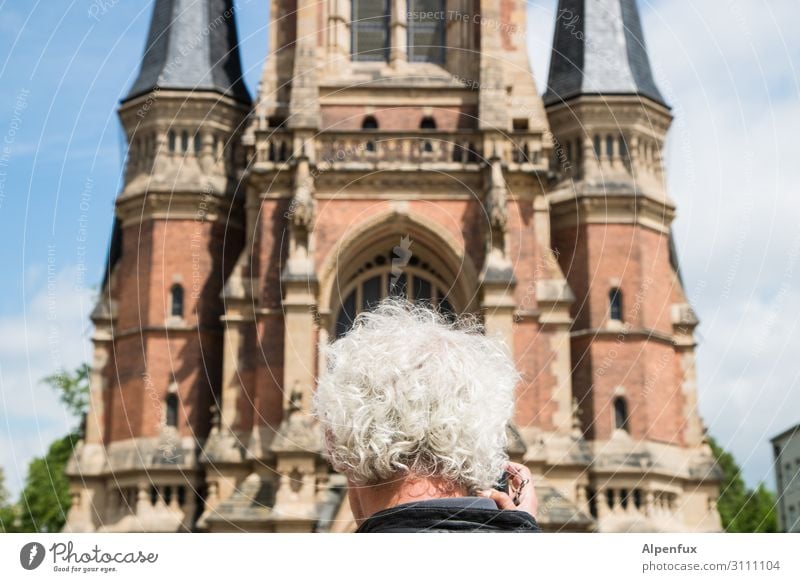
(426, 34)
(381, 277)
(370, 30)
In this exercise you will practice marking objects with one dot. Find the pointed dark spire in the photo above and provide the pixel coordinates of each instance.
(599, 49)
(192, 45)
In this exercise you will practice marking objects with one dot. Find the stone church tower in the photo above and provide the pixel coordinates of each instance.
(394, 147)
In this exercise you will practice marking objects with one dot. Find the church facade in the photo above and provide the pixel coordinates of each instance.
(393, 147)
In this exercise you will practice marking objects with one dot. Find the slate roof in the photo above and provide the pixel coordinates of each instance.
(192, 45)
(599, 49)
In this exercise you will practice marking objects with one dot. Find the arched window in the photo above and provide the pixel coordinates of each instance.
(426, 32)
(615, 303)
(176, 300)
(620, 413)
(369, 123)
(609, 147)
(597, 146)
(184, 141)
(391, 274)
(623, 147)
(172, 141)
(370, 30)
(198, 143)
(171, 403)
(428, 122)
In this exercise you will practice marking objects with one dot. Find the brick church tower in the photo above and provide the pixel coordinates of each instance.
(632, 340)
(178, 231)
(397, 147)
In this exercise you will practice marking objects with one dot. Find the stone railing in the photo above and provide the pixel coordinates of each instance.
(413, 148)
(526, 149)
(619, 501)
(155, 508)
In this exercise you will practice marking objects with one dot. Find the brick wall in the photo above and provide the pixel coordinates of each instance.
(150, 352)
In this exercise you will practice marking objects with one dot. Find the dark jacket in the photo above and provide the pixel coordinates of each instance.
(457, 514)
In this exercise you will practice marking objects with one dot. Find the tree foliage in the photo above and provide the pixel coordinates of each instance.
(8, 512)
(742, 510)
(44, 501)
(72, 389)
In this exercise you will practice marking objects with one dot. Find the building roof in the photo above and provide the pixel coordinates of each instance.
(788, 432)
(599, 49)
(192, 45)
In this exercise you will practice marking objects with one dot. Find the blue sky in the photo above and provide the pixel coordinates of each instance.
(728, 69)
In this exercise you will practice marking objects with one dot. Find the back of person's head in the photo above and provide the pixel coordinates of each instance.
(407, 392)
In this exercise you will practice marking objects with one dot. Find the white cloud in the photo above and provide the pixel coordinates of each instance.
(52, 333)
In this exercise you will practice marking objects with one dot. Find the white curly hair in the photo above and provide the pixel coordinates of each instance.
(407, 392)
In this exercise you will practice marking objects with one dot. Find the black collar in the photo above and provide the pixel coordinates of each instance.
(455, 514)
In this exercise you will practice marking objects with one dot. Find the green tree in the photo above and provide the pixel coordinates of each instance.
(72, 389)
(742, 510)
(3, 490)
(44, 501)
(8, 514)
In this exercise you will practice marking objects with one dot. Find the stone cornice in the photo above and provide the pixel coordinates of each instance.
(134, 207)
(646, 334)
(643, 113)
(170, 329)
(610, 204)
(169, 106)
